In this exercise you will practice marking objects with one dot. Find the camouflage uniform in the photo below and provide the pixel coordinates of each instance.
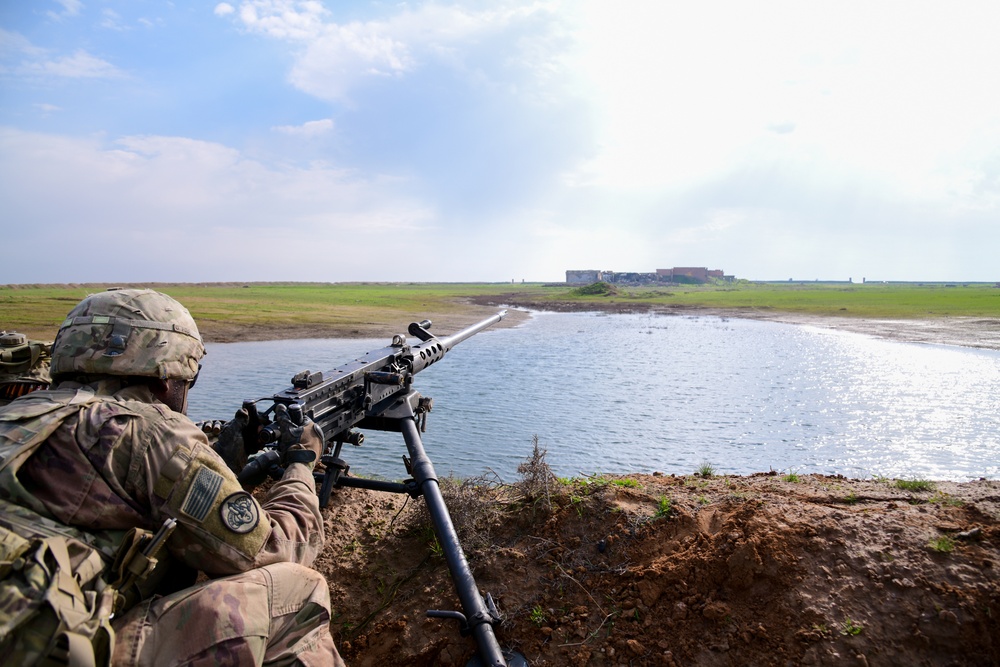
(24, 365)
(113, 458)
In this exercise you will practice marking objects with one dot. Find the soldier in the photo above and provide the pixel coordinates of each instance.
(107, 491)
(24, 365)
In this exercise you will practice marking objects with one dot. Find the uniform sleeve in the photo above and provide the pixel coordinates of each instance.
(222, 529)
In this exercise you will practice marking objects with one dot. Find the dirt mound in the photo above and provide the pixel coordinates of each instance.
(664, 570)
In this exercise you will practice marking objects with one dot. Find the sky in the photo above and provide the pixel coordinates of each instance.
(496, 140)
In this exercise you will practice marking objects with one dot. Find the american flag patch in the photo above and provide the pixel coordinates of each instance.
(201, 496)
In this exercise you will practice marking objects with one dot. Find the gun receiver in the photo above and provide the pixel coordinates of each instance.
(376, 392)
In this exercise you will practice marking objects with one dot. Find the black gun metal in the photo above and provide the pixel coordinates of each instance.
(376, 392)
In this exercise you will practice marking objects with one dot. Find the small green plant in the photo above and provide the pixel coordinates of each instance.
(851, 628)
(942, 498)
(663, 507)
(628, 483)
(435, 547)
(943, 544)
(537, 616)
(915, 484)
(702, 500)
(705, 469)
(791, 477)
(821, 628)
(851, 498)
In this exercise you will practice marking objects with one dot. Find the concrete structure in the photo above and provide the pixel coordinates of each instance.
(584, 277)
(686, 274)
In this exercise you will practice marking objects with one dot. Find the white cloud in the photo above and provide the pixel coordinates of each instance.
(70, 8)
(336, 57)
(224, 9)
(112, 20)
(169, 199)
(311, 128)
(80, 65)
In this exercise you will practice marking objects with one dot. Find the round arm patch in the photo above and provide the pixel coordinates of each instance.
(239, 512)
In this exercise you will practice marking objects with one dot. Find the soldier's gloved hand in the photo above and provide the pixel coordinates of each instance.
(230, 444)
(300, 443)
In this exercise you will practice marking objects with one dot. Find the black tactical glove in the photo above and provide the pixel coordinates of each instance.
(230, 443)
(299, 443)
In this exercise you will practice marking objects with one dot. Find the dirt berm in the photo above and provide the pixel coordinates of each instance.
(766, 569)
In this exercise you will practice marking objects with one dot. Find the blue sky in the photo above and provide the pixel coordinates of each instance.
(496, 141)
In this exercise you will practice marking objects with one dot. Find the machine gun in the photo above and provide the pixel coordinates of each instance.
(376, 392)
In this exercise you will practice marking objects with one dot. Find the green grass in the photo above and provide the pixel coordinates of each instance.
(850, 300)
(943, 544)
(915, 484)
(705, 469)
(664, 507)
(537, 616)
(342, 308)
(850, 627)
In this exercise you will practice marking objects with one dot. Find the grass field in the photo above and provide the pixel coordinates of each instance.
(353, 308)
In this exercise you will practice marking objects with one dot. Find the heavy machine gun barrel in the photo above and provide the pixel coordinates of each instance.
(376, 392)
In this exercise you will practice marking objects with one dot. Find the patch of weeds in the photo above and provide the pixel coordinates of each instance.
(577, 502)
(706, 469)
(852, 498)
(943, 544)
(822, 629)
(702, 500)
(596, 481)
(915, 484)
(850, 627)
(435, 547)
(881, 479)
(791, 477)
(537, 478)
(942, 498)
(537, 616)
(664, 508)
(627, 483)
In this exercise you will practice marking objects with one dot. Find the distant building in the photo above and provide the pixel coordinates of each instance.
(584, 277)
(684, 274)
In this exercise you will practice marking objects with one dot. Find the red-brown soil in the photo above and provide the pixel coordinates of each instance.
(664, 570)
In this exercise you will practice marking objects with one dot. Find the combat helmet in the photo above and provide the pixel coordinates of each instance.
(128, 332)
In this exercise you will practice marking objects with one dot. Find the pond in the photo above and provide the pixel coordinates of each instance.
(649, 392)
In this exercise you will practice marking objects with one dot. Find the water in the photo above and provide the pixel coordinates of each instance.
(641, 393)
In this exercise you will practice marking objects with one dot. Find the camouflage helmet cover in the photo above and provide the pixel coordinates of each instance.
(128, 332)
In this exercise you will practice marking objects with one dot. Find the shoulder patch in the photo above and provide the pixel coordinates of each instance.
(239, 512)
(202, 493)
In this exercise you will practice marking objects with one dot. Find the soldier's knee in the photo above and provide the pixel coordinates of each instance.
(292, 582)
